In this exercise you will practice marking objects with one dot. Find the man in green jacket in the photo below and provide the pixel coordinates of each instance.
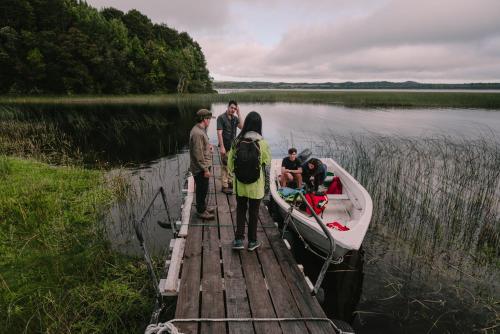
(200, 153)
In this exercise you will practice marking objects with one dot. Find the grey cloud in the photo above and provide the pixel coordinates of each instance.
(187, 15)
(423, 40)
(398, 23)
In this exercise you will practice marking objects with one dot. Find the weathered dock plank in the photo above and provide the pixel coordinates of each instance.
(236, 295)
(281, 295)
(260, 300)
(212, 295)
(307, 304)
(189, 290)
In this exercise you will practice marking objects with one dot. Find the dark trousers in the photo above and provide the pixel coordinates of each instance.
(201, 191)
(242, 204)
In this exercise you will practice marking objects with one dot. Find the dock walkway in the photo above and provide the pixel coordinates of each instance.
(213, 281)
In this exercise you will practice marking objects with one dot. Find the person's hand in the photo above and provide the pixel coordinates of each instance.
(238, 111)
(206, 174)
(222, 150)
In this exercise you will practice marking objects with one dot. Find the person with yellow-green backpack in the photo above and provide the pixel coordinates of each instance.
(247, 159)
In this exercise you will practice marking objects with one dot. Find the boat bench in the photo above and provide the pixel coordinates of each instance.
(337, 197)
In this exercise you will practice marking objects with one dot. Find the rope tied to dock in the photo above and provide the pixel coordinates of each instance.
(170, 328)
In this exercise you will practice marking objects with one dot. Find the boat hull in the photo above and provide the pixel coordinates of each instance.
(352, 209)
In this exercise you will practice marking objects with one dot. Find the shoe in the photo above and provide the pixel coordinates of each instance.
(253, 245)
(227, 190)
(206, 215)
(238, 244)
(211, 209)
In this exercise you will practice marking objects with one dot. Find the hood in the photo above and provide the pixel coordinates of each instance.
(252, 135)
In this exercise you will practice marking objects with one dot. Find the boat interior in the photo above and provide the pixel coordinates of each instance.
(341, 208)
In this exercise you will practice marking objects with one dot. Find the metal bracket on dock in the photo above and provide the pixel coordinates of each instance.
(138, 225)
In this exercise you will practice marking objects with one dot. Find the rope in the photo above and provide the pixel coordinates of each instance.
(308, 247)
(169, 327)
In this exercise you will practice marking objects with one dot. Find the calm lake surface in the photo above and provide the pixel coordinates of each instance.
(383, 288)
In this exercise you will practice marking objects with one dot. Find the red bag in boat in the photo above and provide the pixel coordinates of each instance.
(335, 187)
(317, 202)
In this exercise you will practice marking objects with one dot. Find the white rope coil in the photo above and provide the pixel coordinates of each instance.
(169, 327)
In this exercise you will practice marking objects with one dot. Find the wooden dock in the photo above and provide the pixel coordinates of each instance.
(211, 280)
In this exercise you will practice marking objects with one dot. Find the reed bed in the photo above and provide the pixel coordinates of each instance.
(349, 99)
(432, 252)
(88, 135)
(439, 194)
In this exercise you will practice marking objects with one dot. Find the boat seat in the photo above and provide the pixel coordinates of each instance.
(337, 197)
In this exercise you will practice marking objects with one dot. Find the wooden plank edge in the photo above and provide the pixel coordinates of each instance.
(185, 216)
(170, 286)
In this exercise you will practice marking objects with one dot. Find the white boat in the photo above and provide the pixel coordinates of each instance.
(353, 209)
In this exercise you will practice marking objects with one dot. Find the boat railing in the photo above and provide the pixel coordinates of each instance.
(138, 226)
(329, 257)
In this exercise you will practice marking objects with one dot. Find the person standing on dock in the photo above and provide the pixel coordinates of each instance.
(226, 132)
(200, 153)
(247, 158)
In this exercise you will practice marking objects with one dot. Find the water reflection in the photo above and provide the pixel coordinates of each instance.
(98, 134)
(144, 181)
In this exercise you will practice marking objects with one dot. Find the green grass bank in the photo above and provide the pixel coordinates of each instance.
(350, 99)
(58, 274)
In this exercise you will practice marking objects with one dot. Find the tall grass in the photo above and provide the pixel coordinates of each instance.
(5, 167)
(93, 135)
(352, 99)
(58, 273)
(440, 194)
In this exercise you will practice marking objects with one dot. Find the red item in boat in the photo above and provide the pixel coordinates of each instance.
(317, 202)
(335, 187)
(337, 226)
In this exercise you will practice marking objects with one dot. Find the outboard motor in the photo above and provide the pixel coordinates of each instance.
(304, 155)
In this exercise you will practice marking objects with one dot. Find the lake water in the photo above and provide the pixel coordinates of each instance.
(384, 288)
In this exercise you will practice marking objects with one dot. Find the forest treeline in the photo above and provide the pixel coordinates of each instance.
(69, 47)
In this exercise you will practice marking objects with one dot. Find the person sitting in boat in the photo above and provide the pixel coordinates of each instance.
(291, 169)
(313, 173)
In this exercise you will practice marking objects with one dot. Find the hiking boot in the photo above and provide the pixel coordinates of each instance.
(238, 244)
(206, 215)
(211, 209)
(227, 190)
(253, 245)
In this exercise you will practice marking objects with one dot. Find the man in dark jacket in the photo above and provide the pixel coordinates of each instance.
(226, 132)
(200, 153)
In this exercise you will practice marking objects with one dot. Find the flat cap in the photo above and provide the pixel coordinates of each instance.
(204, 113)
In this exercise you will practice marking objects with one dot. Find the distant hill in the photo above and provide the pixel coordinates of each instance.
(350, 85)
(69, 47)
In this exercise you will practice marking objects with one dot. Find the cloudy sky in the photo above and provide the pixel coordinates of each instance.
(337, 40)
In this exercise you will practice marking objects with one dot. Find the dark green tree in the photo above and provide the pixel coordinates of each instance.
(69, 47)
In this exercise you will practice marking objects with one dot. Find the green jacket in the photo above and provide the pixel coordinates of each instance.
(253, 190)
